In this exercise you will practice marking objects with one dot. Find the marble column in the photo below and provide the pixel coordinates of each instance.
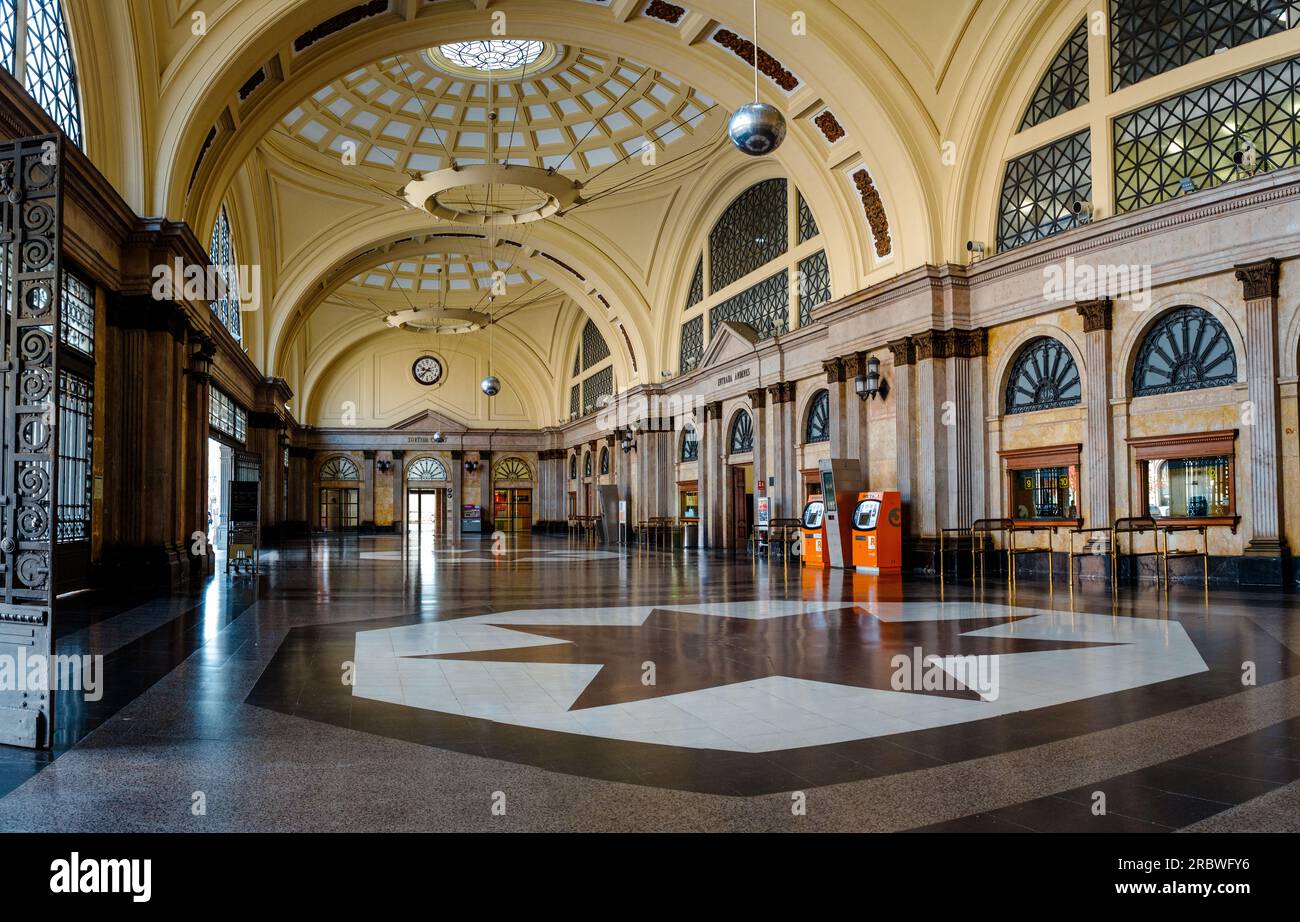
(457, 491)
(774, 449)
(762, 460)
(855, 415)
(1098, 500)
(934, 418)
(834, 369)
(198, 395)
(712, 484)
(902, 393)
(1259, 282)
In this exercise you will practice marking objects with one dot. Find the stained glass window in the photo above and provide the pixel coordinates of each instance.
(765, 307)
(340, 468)
(1040, 188)
(1187, 349)
(512, 469)
(690, 444)
(818, 427)
(807, 223)
(692, 348)
(742, 433)
(1194, 136)
(752, 232)
(1065, 85)
(424, 469)
(46, 69)
(814, 285)
(1149, 37)
(1043, 377)
(221, 253)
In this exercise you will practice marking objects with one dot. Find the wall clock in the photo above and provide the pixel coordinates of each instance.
(427, 370)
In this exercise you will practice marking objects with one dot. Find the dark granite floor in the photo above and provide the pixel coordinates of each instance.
(373, 684)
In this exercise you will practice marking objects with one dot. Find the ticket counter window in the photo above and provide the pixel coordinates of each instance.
(1189, 487)
(1045, 493)
(690, 505)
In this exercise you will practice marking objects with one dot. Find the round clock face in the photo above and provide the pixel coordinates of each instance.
(427, 370)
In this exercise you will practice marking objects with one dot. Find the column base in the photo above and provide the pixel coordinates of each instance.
(1266, 563)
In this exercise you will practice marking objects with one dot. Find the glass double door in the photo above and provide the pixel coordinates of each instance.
(424, 510)
(512, 509)
(338, 508)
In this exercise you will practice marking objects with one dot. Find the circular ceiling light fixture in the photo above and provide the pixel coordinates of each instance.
(437, 320)
(493, 193)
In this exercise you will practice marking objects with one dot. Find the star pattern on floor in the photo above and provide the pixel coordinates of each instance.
(687, 651)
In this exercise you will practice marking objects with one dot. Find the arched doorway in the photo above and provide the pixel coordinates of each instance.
(427, 487)
(340, 489)
(512, 495)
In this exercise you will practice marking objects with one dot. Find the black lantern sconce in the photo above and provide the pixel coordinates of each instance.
(871, 384)
(626, 439)
(384, 466)
(471, 466)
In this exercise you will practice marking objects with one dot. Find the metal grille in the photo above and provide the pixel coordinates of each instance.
(692, 348)
(586, 465)
(818, 427)
(575, 400)
(8, 29)
(425, 469)
(1195, 135)
(751, 233)
(1065, 85)
(221, 253)
(48, 70)
(1186, 350)
(696, 294)
(77, 324)
(807, 223)
(512, 469)
(1044, 377)
(1149, 37)
(1040, 188)
(340, 468)
(690, 445)
(765, 307)
(814, 285)
(604, 461)
(226, 416)
(76, 415)
(573, 467)
(594, 348)
(742, 434)
(599, 385)
(248, 466)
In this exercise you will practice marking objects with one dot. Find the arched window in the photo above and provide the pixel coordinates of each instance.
(1044, 377)
(752, 231)
(512, 469)
(221, 253)
(818, 427)
(604, 460)
(46, 68)
(592, 382)
(1065, 85)
(426, 469)
(742, 434)
(586, 465)
(573, 467)
(1187, 349)
(690, 444)
(339, 468)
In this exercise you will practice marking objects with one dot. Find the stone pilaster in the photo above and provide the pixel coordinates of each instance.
(712, 483)
(902, 392)
(762, 460)
(457, 490)
(198, 394)
(1259, 283)
(855, 413)
(834, 369)
(1098, 500)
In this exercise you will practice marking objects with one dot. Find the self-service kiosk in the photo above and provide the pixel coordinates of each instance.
(878, 532)
(827, 523)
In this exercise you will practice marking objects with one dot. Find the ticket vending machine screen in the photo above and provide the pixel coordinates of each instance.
(812, 514)
(864, 517)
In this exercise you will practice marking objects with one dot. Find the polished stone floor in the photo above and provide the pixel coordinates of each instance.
(376, 683)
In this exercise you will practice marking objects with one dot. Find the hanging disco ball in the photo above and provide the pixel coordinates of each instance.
(491, 385)
(757, 128)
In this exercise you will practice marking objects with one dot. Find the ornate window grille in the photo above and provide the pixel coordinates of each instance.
(742, 434)
(765, 307)
(690, 445)
(1187, 349)
(425, 469)
(76, 439)
(340, 468)
(221, 253)
(77, 321)
(814, 285)
(752, 232)
(46, 68)
(696, 294)
(573, 467)
(807, 223)
(818, 427)
(1043, 377)
(596, 387)
(1065, 85)
(512, 469)
(226, 416)
(1149, 37)
(604, 460)
(594, 348)
(692, 348)
(1040, 188)
(1194, 136)
(575, 400)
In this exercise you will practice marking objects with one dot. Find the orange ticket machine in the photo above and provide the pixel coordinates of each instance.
(878, 532)
(827, 523)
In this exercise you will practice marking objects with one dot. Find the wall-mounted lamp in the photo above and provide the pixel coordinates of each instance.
(871, 384)
(471, 466)
(384, 466)
(626, 439)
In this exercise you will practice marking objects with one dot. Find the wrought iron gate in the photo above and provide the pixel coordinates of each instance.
(31, 215)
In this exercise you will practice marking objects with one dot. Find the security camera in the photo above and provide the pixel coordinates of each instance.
(1246, 157)
(1081, 209)
(975, 248)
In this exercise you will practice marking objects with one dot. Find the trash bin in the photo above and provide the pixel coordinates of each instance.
(691, 535)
